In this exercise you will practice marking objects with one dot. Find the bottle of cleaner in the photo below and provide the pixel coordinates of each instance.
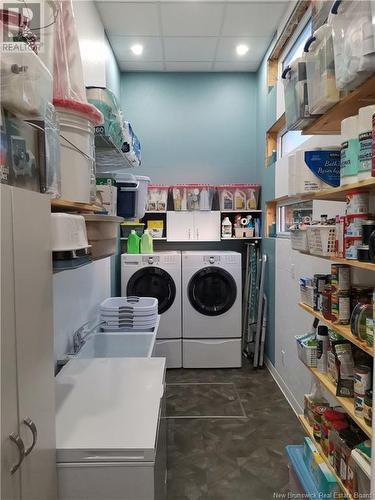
(239, 200)
(204, 203)
(184, 200)
(133, 242)
(322, 348)
(147, 245)
(177, 199)
(251, 202)
(226, 228)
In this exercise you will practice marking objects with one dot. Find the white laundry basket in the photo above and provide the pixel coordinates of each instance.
(298, 240)
(322, 240)
(77, 155)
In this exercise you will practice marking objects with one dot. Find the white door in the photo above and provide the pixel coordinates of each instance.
(10, 482)
(180, 226)
(206, 226)
(34, 332)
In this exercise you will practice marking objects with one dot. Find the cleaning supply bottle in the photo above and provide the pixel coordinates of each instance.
(133, 242)
(226, 228)
(226, 200)
(322, 348)
(204, 203)
(184, 200)
(147, 245)
(239, 200)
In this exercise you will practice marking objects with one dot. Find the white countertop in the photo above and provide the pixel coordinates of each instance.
(108, 409)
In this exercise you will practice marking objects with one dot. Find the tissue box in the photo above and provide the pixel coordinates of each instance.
(323, 478)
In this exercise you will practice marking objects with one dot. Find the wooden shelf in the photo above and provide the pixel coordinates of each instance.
(306, 426)
(343, 330)
(346, 403)
(368, 266)
(271, 138)
(330, 122)
(241, 211)
(73, 206)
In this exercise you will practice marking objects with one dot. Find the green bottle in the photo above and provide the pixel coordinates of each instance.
(147, 245)
(133, 242)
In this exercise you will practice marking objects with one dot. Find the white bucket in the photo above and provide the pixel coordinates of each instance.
(76, 155)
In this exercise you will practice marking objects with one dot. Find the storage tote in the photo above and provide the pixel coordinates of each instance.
(298, 240)
(321, 240)
(157, 198)
(322, 93)
(353, 42)
(192, 196)
(306, 354)
(307, 295)
(234, 197)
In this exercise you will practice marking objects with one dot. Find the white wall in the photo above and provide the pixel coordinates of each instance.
(76, 296)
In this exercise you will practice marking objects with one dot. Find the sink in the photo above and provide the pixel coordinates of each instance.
(130, 344)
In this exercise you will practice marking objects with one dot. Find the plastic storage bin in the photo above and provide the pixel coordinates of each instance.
(234, 197)
(298, 240)
(353, 42)
(300, 479)
(102, 234)
(68, 232)
(157, 198)
(297, 112)
(192, 196)
(322, 240)
(131, 195)
(307, 295)
(320, 71)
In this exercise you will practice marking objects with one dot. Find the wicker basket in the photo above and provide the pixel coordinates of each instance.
(307, 295)
(308, 355)
(298, 239)
(321, 240)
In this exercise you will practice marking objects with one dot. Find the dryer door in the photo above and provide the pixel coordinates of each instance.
(153, 282)
(212, 291)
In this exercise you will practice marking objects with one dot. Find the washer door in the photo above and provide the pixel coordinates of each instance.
(153, 282)
(212, 291)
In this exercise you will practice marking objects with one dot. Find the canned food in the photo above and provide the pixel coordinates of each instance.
(351, 245)
(354, 224)
(340, 308)
(357, 203)
(362, 379)
(340, 278)
(359, 403)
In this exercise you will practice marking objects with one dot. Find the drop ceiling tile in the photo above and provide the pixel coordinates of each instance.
(191, 18)
(189, 49)
(152, 48)
(189, 66)
(130, 18)
(236, 66)
(226, 50)
(253, 18)
(141, 66)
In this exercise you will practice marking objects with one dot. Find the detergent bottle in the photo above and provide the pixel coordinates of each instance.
(184, 200)
(251, 201)
(147, 245)
(133, 242)
(239, 200)
(226, 228)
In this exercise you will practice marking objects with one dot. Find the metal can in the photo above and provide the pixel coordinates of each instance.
(362, 379)
(340, 278)
(359, 403)
(340, 308)
(357, 203)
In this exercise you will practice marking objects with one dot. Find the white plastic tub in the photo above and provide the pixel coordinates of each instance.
(68, 232)
(102, 233)
(76, 155)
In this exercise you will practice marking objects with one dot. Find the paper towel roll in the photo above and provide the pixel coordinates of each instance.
(349, 150)
(365, 141)
(305, 180)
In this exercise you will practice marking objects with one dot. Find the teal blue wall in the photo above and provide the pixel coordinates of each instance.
(266, 115)
(194, 127)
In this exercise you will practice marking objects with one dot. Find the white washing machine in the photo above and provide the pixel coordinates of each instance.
(158, 275)
(211, 307)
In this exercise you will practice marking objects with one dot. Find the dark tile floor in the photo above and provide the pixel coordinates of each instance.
(233, 447)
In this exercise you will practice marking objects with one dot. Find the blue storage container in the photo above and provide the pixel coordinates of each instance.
(300, 479)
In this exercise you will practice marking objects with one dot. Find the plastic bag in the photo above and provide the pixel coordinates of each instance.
(68, 84)
(131, 146)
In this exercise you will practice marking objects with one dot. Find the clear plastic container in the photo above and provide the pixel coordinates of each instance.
(157, 198)
(353, 42)
(234, 197)
(297, 113)
(192, 196)
(105, 101)
(320, 71)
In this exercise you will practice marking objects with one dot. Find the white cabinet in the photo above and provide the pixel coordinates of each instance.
(193, 226)
(27, 381)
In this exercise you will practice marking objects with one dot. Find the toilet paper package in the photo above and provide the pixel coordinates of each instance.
(349, 150)
(313, 170)
(365, 115)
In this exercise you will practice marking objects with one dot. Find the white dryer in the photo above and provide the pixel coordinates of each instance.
(158, 275)
(211, 307)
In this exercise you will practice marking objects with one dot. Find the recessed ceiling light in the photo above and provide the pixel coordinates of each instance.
(137, 49)
(242, 49)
